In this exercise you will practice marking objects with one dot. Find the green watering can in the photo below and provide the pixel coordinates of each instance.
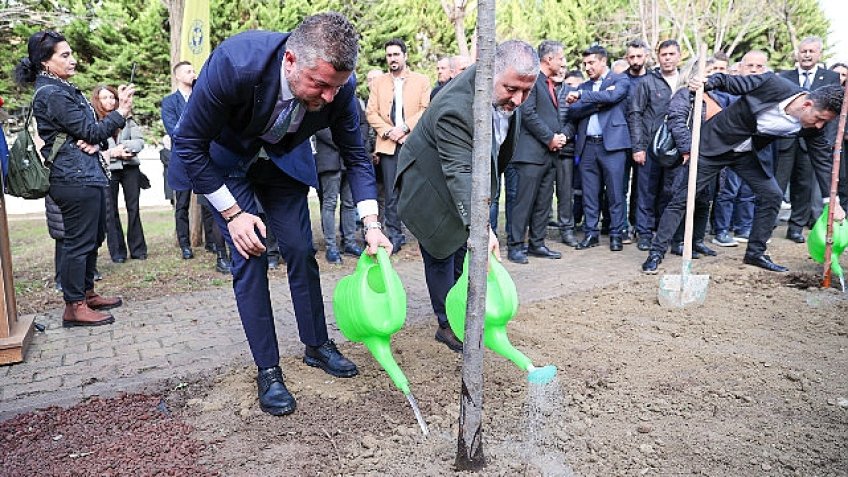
(370, 306)
(816, 242)
(501, 306)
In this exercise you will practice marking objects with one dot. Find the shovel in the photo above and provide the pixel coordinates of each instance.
(678, 291)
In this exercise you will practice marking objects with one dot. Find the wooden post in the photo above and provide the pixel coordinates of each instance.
(15, 334)
(195, 222)
(834, 186)
(469, 454)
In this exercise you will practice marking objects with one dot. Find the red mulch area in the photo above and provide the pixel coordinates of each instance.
(128, 435)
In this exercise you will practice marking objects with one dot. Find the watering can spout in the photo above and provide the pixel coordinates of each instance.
(382, 352)
(495, 339)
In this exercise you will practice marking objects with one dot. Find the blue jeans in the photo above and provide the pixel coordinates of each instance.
(734, 204)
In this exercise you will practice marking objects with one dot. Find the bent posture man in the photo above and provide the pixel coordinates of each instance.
(770, 107)
(273, 90)
(435, 167)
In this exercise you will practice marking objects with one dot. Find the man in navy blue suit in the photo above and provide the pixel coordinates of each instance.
(271, 90)
(600, 108)
(172, 109)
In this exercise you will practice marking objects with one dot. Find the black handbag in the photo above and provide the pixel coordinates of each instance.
(663, 148)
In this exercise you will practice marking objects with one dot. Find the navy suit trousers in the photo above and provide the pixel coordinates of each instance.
(599, 168)
(441, 276)
(285, 204)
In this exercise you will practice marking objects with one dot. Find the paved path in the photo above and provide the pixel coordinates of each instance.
(180, 335)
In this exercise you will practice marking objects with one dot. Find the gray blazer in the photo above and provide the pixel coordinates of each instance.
(132, 139)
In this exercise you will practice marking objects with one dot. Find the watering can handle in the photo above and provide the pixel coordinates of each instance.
(385, 263)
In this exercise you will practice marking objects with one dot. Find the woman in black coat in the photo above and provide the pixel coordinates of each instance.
(78, 174)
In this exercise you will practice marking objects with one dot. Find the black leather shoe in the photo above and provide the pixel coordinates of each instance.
(764, 261)
(569, 239)
(223, 265)
(652, 263)
(795, 236)
(210, 247)
(397, 246)
(273, 261)
(328, 358)
(119, 260)
(353, 250)
(140, 257)
(446, 336)
(588, 242)
(677, 249)
(644, 243)
(616, 244)
(187, 253)
(543, 252)
(97, 276)
(333, 256)
(516, 255)
(274, 398)
(702, 248)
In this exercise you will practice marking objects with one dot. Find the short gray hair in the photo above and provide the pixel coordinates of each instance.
(812, 39)
(549, 47)
(327, 36)
(518, 55)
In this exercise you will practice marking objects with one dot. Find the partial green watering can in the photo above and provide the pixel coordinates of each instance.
(817, 242)
(370, 306)
(501, 307)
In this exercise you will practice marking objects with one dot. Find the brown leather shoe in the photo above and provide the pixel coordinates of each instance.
(98, 302)
(79, 314)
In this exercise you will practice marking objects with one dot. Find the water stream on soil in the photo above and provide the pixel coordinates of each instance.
(544, 409)
(414, 404)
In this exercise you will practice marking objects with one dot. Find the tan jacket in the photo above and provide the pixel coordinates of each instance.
(416, 98)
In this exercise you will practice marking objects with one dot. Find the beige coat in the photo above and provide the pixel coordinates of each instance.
(416, 98)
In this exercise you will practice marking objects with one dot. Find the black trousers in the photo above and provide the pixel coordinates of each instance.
(441, 275)
(393, 228)
(182, 201)
(532, 207)
(128, 179)
(564, 165)
(752, 171)
(794, 169)
(84, 217)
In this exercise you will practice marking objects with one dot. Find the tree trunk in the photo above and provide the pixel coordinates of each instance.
(455, 10)
(175, 19)
(469, 454)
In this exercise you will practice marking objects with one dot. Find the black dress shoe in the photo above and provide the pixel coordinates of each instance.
(588, 242)
(795, 236)
(187, 253)
(446, 336)
(652, 263)
(328, 358)
(702, 248)
(516, 255)
(764, 261)
(223, 265)
(333, 256)
(119, 260)
(210, 247)
(140, 257)
(353, 250)
(544, 252)
(274, 398)
(677, 249)
(273, 261)
(397, 246)
(569, 239)
(616, 244)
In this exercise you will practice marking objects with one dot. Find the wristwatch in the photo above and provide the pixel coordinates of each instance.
(372, 225)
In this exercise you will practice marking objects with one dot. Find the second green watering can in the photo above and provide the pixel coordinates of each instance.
(816, 242)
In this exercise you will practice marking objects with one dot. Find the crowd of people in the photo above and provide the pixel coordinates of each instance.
(275, 114)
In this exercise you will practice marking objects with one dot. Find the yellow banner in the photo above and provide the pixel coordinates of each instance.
(194, 41)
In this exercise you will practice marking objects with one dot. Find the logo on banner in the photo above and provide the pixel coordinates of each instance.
(195, 40)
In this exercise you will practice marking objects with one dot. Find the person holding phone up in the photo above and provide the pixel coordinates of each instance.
(122, 155)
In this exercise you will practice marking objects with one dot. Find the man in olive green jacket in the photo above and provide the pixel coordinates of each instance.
(434, 169)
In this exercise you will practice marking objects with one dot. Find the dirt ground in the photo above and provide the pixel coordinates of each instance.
(752, 383)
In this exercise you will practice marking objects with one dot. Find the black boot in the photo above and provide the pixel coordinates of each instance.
(222, 264)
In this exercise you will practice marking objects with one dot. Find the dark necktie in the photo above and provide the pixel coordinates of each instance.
(282, 123)
(552, 90)
(807, 81)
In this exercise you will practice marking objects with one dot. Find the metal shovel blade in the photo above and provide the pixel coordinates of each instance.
(678, 291)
